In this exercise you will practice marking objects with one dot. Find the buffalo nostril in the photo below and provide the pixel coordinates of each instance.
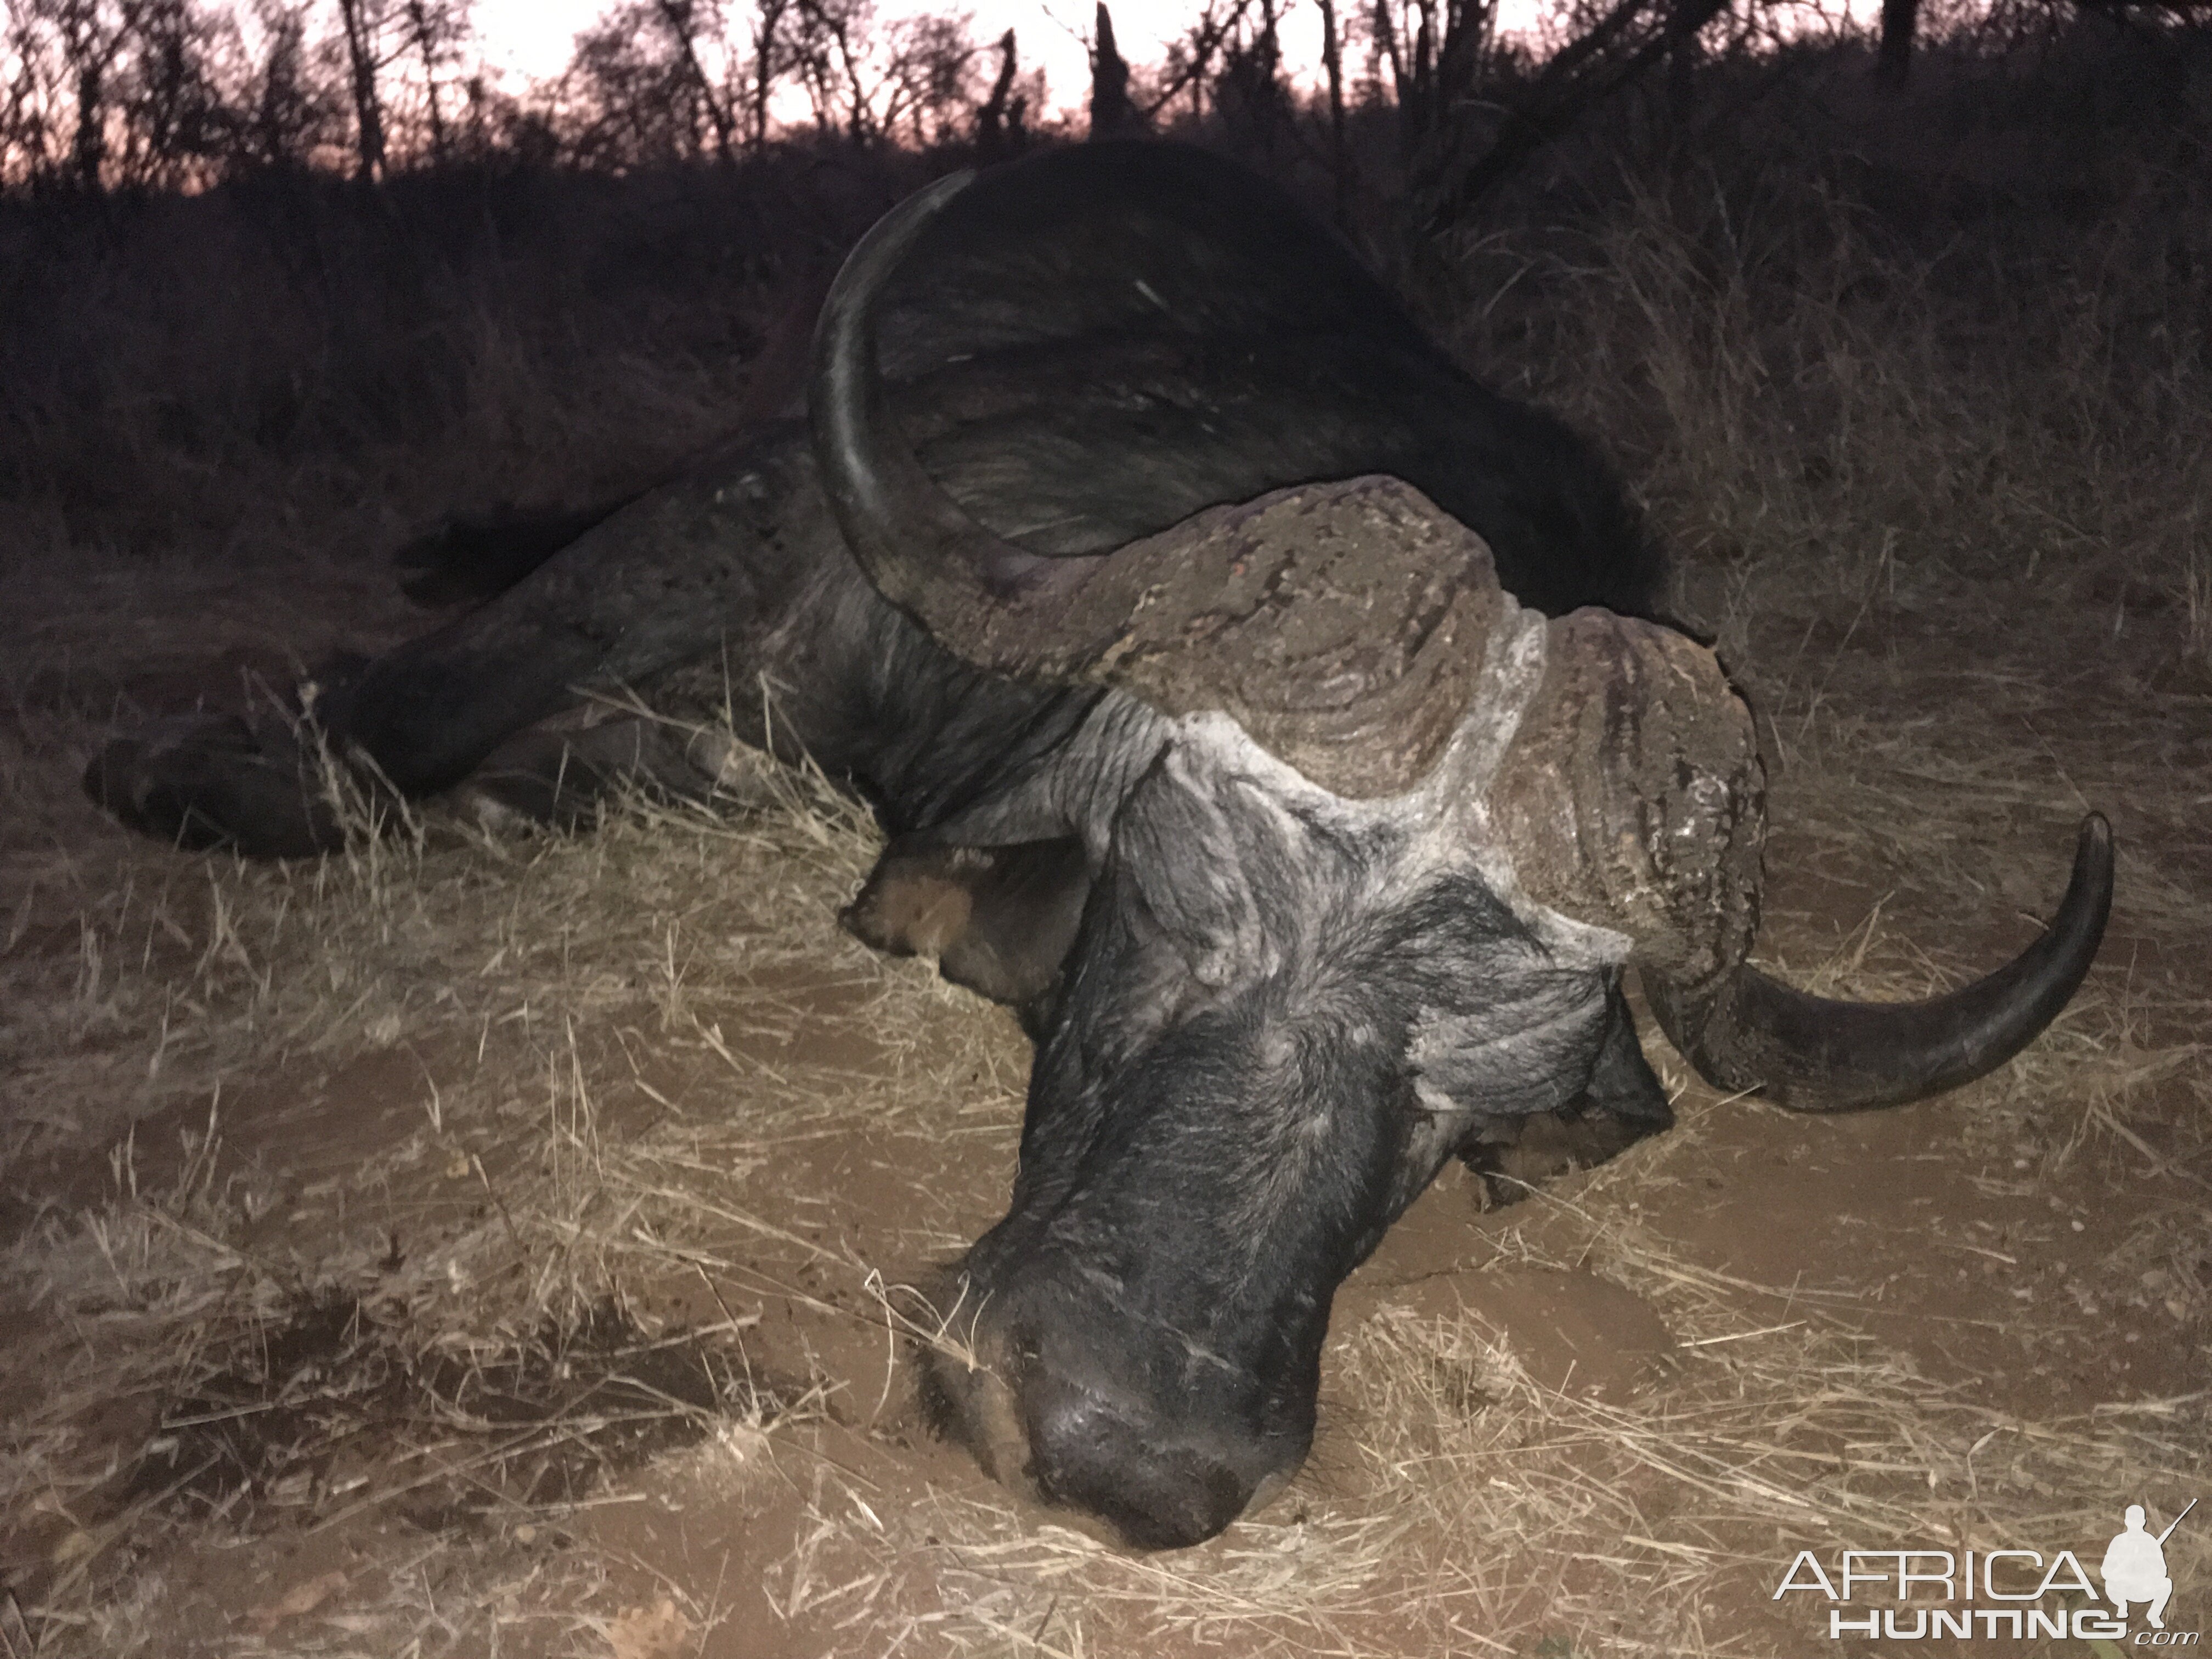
(1159, 1495)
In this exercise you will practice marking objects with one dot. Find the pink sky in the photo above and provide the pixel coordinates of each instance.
(532, 37)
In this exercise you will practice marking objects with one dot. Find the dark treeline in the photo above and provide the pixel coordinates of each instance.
(98, 97)
(310, 261)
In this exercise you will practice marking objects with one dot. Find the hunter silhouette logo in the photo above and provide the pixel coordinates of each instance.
(1998, 1595)
(2135, 1565)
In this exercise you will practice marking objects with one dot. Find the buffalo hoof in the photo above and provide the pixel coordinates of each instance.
(210, 781)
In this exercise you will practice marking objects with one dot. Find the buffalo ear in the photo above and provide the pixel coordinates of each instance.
(998, 920)
(1526, 1041)
(1621, 1104)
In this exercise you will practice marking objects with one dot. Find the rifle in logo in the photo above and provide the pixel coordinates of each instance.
(2176, 1521)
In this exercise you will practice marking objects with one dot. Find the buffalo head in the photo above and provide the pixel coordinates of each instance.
(1387, 841)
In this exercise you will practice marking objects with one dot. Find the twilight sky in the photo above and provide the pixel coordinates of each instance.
(533, 36)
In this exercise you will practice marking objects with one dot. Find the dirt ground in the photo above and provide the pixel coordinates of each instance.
(469, 1246)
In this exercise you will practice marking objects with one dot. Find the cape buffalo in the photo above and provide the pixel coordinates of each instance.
(1271, 713)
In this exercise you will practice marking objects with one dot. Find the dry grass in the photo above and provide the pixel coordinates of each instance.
(420, 950)
(1482, 1511)
(481, 1092)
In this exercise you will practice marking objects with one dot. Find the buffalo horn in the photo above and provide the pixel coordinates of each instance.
(1630, 796)
(1751, 1031)
(1395, 602)
(920, 549)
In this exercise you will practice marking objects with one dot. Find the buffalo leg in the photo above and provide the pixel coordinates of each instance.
(279, 783)
(205, 780)
(473, 557)
(560, 779)
(708, 566)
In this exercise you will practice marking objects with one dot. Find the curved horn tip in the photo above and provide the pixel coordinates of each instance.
(841, 333)
(920, 547)
(1812, 1054)
(2093, 848)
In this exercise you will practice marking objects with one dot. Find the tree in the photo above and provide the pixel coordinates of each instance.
(771, 61)
(1382, 37)
(433, 31)
(998, 119)
(285, 113)
(688, 23)
(1340, 158)
(929, 77)
(85, 36)
(364, 23)
(1111, 112)
(1248, 86)
(1190, 59)
(28, 100)
(646, 86)
(176, 116)
(1451, 166)
(1900, 20)
(829, 55)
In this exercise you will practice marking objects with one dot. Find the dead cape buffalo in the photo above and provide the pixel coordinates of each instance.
(1267, 709)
